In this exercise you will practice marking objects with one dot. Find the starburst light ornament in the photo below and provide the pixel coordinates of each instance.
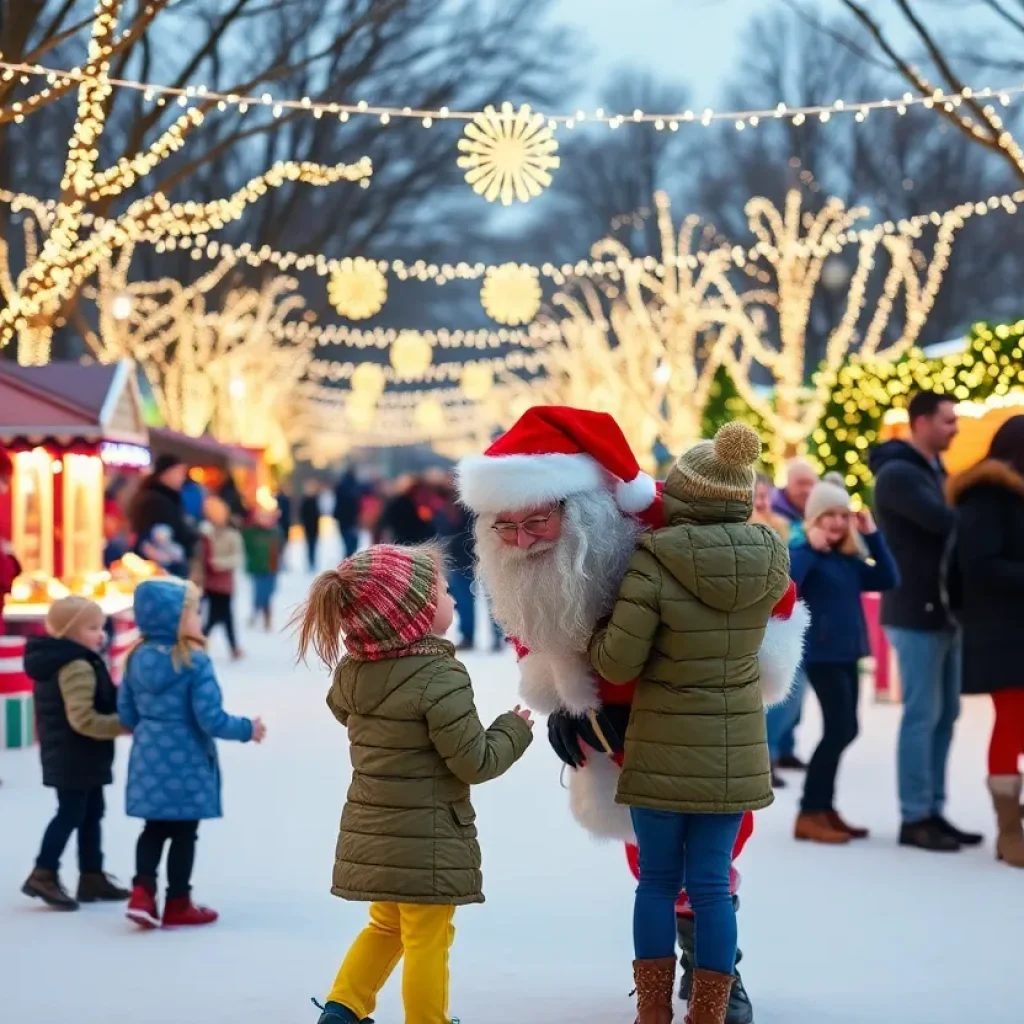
(511, 294)
(357, 288)
(411, 354)
(368, 381)
(508, 155)
(477, 381)
(429, 415)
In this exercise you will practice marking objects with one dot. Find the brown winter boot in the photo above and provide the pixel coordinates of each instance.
(99, 887)
(1005, 790)
(818, 828)
(45, 885)
(655, 981)
(709, 1001)
(853, 831)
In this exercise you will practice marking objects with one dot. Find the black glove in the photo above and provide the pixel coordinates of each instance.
(566, 731)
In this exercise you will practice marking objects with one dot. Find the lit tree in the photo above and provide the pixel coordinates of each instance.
(802, 250)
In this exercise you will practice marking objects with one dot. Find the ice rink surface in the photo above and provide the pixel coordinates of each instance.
(864, 933)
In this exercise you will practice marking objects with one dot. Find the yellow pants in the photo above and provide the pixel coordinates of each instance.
(423, 934)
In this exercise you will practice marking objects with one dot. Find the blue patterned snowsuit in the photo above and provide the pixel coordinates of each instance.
(176, 716)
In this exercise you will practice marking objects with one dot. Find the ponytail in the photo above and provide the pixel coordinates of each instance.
(319, 619)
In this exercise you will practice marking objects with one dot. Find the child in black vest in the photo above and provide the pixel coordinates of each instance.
(76, 715)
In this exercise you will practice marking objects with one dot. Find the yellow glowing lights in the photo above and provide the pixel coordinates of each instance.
(477, 382)
(508, 155)
(368, 380)
(357, 288)
(429, 415)
(511, 294)
(410, 355)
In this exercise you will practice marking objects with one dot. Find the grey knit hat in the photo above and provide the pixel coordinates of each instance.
(828, 494)
(722, 469)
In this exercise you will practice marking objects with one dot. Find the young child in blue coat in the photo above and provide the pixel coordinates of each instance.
(841, 556)
(171, 701)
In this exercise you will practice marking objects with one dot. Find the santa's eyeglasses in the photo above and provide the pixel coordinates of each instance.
(535, 526)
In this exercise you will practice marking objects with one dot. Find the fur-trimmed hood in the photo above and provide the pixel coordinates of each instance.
(987, 473)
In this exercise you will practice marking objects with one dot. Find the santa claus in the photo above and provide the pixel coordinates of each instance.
(560, 500)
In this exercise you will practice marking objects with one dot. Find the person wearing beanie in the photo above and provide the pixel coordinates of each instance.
(841, 556)
(223, 554)
(688, 625)
(170, 700)
(77, 722)
(157, 506)
(408, 839)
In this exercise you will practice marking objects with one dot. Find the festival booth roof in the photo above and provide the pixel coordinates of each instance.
(199, 451)
(68, 403)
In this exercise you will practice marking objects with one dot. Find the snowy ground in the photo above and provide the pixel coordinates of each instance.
(869, 932)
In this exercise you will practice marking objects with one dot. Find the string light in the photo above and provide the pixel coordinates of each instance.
(63, 79)
(358, 288)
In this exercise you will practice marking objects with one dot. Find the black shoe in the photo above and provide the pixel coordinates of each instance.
(46, 886)
(963, 838)
(926, 835)
(335, 1013)
(740, 1010)
(465, 645)
(778, 782)
(791, 763)
(98, 887)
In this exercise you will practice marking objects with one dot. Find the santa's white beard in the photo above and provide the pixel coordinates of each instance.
(550, 596)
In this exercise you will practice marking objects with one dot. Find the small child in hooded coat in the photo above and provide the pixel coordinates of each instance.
(688, 624)
(408, 839)
(171, 700)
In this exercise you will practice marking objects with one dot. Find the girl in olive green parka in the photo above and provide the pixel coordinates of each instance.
(687, 625)
(408, 839)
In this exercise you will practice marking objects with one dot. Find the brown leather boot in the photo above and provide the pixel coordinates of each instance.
(709, 1001)
(841, 826)
(818, 828)
(1005, 790)
(655, 981)
(45, 885)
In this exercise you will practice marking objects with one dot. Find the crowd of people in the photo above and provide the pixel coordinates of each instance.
(657, 626)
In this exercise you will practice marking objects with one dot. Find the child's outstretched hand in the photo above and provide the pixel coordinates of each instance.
(259, 730)
(524, 714)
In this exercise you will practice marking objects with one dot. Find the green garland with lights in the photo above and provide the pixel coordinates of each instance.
(725, 404)
(992, 364)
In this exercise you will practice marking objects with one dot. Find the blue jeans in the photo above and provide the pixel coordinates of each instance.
(262, 591)
(78, 810)
(930, 677)
(695, 849)
(784, 718)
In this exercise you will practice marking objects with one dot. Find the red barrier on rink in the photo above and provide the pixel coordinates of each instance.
(125, 635)
(886, 685)
(17, 710)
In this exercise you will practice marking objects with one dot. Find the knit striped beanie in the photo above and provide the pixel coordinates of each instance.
(383, 599)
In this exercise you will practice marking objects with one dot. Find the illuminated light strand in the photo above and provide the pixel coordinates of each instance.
(381, 337)
(337, 371)
(428, 117)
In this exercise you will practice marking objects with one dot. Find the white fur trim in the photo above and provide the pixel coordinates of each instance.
(781, 652)
(636, 495)
(555, 682)
(537, 683)
(504, 483)
(592, 799)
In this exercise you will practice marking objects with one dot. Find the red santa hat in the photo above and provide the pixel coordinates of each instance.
(551, 453)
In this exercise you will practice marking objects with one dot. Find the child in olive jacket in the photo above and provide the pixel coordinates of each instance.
(688, 625)
(76, 715)
(408, 842)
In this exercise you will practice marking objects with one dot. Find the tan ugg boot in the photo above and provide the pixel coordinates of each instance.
(655, 982)
(709, 1001)
(1005, 790)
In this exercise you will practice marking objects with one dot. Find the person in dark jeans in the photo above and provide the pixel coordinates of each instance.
(831, 572)
(223, 556)
(309, 518)
(347, 496)
(918, 524)
(76, 714)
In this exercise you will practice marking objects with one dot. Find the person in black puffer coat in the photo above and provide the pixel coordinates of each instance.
(76, 715)
(158, 502)
(986, 588)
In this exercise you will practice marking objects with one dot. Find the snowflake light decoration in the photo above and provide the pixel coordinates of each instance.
(429, 416)
(368, 381)
(477, 381)
(357, 288)
(508, 155)
(411, 354)
(511, 293)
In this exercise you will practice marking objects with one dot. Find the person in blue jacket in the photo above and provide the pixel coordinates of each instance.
(841, 556)
(171, 701)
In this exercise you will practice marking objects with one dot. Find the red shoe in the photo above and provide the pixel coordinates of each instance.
(142, 908)
(181, 912)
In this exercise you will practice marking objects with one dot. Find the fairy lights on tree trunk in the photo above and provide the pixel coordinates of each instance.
(77, 242)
